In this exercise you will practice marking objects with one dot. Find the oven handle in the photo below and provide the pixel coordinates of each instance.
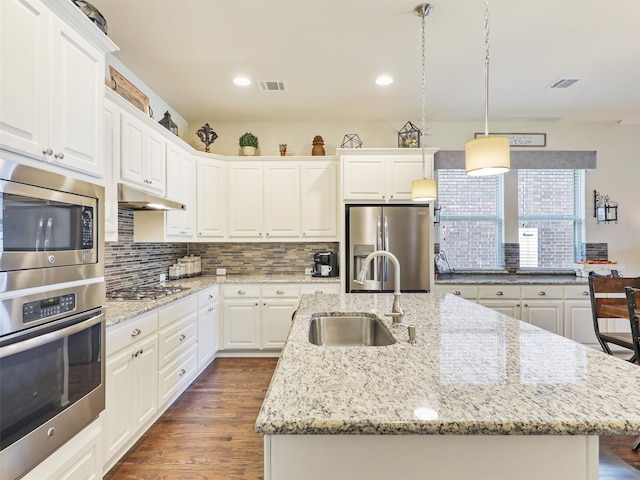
(37, 341)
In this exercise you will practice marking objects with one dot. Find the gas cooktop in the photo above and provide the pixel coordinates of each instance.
(148, 292)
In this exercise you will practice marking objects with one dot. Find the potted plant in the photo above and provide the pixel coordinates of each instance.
(249, 143)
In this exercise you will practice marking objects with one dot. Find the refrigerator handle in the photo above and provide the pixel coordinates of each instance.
(387, 248)
(379, 265)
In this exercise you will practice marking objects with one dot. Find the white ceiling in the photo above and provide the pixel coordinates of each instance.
(329, 52)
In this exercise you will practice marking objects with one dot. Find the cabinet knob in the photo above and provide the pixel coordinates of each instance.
(241, 292)
(182, 372)
(280, 292)
(48, 151)
(59, 156)
(542, 293)
(457, 292)
(182, 337)
(210, 297)
(136, 332)
(585, 294)
(319, 291)
(499, 293)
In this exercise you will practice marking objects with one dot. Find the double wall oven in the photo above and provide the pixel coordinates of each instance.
(52, 320)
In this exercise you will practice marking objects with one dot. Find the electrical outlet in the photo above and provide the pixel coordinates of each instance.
(308, 270)
(163, 277)
(221, 271)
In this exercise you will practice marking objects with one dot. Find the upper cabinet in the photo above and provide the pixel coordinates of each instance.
(181, 187)
(383, 174)
(112, 119)
(52, 67)
(143, 160)
(212, 201)
(319, 199)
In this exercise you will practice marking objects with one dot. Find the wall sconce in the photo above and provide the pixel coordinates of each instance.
(436, 214)
(604, 209)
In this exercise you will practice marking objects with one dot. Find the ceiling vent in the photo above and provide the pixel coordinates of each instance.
(564, 83)
(272, 86)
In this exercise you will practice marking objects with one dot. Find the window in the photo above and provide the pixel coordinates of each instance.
(471, 220)
(550, 217)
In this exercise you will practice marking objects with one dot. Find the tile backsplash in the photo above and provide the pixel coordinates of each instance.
(130, 264)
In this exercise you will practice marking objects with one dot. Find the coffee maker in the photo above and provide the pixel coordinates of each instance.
(325, 264)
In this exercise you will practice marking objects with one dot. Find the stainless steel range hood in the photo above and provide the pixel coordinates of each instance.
(131, 199)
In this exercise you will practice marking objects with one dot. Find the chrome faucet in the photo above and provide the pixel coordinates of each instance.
(396, 310)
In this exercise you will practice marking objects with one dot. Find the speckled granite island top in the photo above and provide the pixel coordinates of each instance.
(510, 279)
(473, 371)
(119, 311)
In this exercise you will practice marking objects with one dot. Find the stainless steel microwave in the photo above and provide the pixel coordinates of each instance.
(50, 230)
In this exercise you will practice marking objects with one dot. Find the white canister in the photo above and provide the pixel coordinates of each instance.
(189, 265)
(197, 265)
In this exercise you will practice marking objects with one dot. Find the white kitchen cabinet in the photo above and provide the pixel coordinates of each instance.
(181, 187)
(468, 292)
(143, 161)
(264, 200)
(79, 458)
(542, 306)
(208, 326)
(241, 316)
(279, 302)
(578, 321)
(51, 87)
(319, 288)
(131, 383)
(112, 116)
(501, 298)
(318, 199)
(212, 199)
(382, 174)
(177, 348)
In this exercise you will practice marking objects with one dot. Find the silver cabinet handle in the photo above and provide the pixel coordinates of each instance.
(59, 155)
(457, 292)
(280, 292)
(182, 337)
(319, 291)
(48, 152)
(182, 372)
(136, 332)
(585, 294)
(499, 293)
(210, 297)
(542, 293)
(241, 292)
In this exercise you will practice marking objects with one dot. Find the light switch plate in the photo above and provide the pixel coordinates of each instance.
(221, 271)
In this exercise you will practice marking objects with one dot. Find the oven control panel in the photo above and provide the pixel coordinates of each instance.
(48, 307)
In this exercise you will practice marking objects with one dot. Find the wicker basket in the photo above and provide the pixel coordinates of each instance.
(129, 91)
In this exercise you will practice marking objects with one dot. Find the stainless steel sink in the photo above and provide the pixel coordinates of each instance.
(360, 330)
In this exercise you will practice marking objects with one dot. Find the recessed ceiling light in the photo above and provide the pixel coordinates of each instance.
(384, 80)
(242, 81)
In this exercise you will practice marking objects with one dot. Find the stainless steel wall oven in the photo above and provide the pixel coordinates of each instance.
(52, 318)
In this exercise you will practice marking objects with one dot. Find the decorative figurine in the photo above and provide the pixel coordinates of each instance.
(283, 149)
(318, 148)
(409, 136)
(351, 140)
(207, 136)
(169, 124)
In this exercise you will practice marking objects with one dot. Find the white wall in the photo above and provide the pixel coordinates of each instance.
(617, 175)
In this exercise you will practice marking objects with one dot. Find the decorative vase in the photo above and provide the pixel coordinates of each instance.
(249, 151)
(318, 148)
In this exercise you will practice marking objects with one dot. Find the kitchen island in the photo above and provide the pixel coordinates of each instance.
(479, 395)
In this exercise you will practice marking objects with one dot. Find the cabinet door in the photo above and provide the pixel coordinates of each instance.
(318, 199)
(241, 324)
(546, 314)
(145, 401)
(155, 162)
(119, 379)
(508, 307)
(24, 76)
(208, 327)
(282, 200)
(133, 150)
(212, 198)
(76, 101)
(578, 322)
(245, 200)
(402, 171)
(276, 321)
(364, 178)
(181, 173)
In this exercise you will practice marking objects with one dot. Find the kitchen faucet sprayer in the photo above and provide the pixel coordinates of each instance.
(396, 310)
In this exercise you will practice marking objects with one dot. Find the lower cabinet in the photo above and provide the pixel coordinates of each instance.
(258, 316)
(131, 383)
(208, 325)
(578, 321)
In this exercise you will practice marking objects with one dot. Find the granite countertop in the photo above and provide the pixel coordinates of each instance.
(120, 311)
(510, 278)
(472, 371)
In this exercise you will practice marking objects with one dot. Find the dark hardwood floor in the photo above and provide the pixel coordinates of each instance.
(208, 434)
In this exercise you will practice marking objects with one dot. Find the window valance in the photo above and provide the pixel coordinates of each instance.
(542, 159)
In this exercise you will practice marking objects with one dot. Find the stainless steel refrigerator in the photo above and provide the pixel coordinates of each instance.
(400, 229)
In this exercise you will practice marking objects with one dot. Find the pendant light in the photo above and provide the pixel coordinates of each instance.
(425, 188)
(488, 155)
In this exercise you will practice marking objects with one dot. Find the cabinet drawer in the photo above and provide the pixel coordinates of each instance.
(540, 292)
(176, 374)
(320, 288)
(499, 291)
(470, 292)
(126, 333)
(177, 309)
(208, 296)
(577, 292)
(241, 291)
(280, 290)
(176, 338)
